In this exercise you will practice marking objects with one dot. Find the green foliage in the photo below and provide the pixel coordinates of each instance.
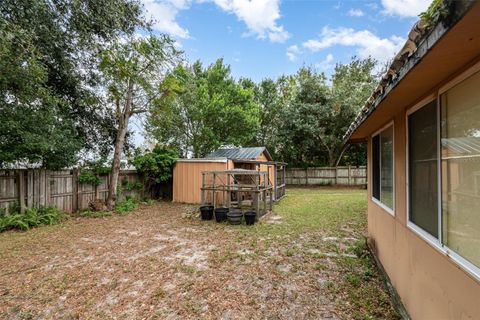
(156, 166)
(126, 206)
(49, 106)
(207, 109)
(92, 170)
(95, 214)
(30, 218)
(317, 114)
(127, 185)
(437, 11)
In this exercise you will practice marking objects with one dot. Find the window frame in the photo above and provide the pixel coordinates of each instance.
(410, 224)
(378, 202)
(437, 243)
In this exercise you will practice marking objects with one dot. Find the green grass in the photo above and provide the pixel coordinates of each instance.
(319, 212)
(312, 209)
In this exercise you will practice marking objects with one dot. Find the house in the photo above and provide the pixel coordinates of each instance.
(187, 173)
(422, 126)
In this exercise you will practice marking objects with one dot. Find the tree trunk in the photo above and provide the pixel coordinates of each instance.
(119, 143)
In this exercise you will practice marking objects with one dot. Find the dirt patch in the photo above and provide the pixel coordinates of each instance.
(158, 263)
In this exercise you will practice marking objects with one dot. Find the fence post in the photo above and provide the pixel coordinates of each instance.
(21, 191)
(349, 174)
(336, 175)
(29, 188)
(75, 189)
(48, 186)
(306, 176)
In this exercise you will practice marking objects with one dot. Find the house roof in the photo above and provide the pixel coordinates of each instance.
(421, 39)
(240, 153)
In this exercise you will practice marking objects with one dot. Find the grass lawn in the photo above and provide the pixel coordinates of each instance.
(304, 261)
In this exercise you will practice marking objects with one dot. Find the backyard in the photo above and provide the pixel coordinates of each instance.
(306, 260)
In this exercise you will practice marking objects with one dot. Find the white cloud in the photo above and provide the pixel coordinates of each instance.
(260, 16)
(164, 13)
(405, 8)
(292, 52)
(355, 13)
(366, 43)
(326, 64)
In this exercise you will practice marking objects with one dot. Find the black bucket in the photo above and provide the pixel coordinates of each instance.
(235, 216)
(221, 214)
(250, 217)
(206, 212)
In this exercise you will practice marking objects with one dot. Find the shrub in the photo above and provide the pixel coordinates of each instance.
(126, 206)
(156, 166)
(31, 218)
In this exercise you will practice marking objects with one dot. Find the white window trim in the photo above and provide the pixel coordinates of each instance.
(378, 202)
(437, 244)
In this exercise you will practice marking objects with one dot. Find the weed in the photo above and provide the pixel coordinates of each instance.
(126, 206)
(95, 214)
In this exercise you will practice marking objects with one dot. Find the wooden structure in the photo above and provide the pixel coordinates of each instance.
(29, 188)
(187, 173)
(239, 188)
(344, 176)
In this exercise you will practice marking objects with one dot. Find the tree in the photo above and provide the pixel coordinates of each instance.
(133, 71)
(155, 166)
(317, 114)
(209, 109)
(49, 107)
(271, 104)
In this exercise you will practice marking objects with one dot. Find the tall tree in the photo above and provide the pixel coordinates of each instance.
(210, 109)
(133, 71)
(49, 108)
(318, 113)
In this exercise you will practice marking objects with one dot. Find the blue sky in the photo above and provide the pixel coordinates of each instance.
(267, 38)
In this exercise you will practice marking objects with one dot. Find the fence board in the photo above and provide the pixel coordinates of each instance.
(352, 176)
(61, 189)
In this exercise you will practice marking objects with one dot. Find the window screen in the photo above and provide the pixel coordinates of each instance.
(423, 168)
(376, 167)
(382, 167)
(461, 168)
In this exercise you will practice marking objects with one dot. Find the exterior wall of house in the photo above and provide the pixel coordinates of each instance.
(430, 284)
(187, 178)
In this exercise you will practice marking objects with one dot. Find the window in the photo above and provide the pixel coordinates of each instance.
(423, 168)
(382, 167)
(444, 171)
(460, 130)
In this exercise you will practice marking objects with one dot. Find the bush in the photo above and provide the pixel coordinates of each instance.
(157, 165)
(31, 218)
(126, 206)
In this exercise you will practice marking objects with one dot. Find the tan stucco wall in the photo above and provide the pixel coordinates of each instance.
(430, 284)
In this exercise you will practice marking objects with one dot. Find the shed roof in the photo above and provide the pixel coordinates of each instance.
(240, 153)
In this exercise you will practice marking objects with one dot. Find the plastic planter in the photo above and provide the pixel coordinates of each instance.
(235, 216)
(250, 217)
(206, 212)
(221, 214)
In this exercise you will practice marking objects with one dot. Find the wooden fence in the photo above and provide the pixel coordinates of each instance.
(349, 176)
(60, 189)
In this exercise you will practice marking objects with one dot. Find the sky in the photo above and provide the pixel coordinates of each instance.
(268, 38)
